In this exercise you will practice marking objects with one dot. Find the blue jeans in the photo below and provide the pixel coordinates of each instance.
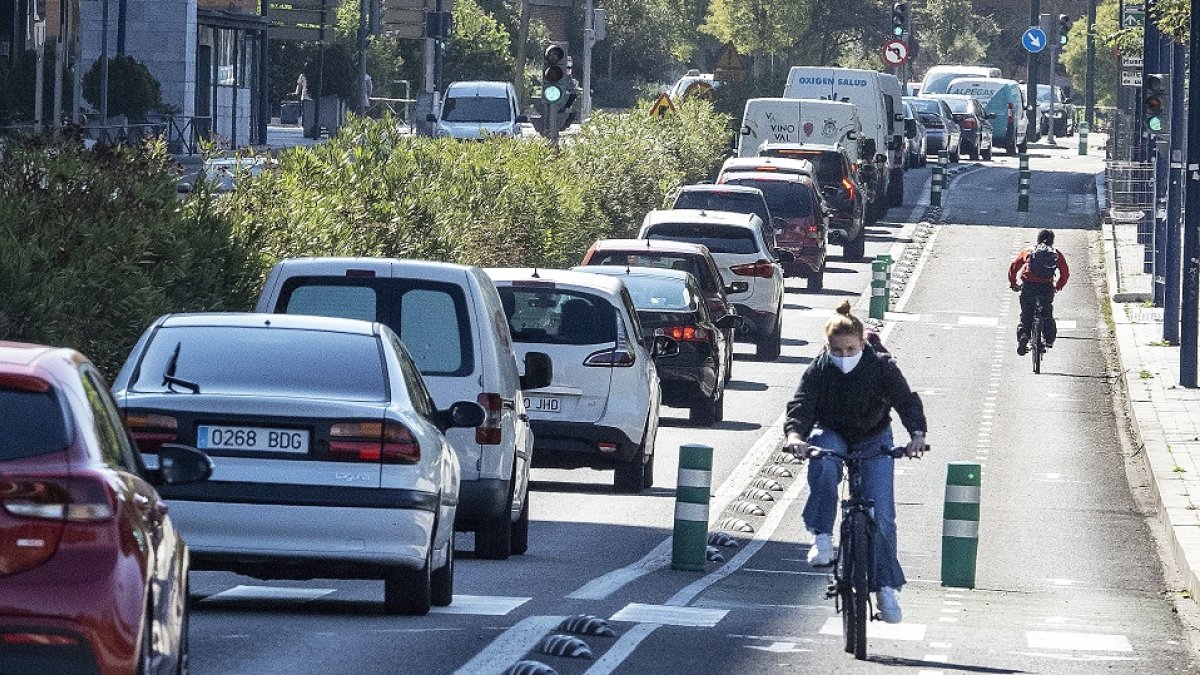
(824, 477)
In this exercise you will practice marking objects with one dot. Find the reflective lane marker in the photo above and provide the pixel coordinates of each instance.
(270, 593)
(481, 605)
(510, 646)
(1089, 642)
(878, 630)
(667, 615)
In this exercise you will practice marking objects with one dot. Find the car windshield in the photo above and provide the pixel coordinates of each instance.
(31, 424)
(940, 82)
(926, 105)
(542, 314)
(252, 361)
(960, 106)
(1044, 94)
(718, 238)
(727, 200)
(785, 198)
(488, 109)
(657, 293)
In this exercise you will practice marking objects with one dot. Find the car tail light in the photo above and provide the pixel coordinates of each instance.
(488, 433)
(763, 269)
(683, 333)
(79, 499)
(151, 431)
(386, 442)
(766, 167)
(969, 123)
(617, 357)
(849, 186)
(814, 231)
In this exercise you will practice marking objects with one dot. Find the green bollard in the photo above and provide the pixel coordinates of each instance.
(689, 541)
(879, 288)
(1083, 134)
(960, 524)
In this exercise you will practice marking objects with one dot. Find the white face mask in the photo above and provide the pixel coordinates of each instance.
(846, 363)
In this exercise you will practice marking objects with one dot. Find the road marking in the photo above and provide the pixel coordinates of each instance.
(779, 648)
(1085, 642)
(670, 615)
(936, 658)
(603, 586)
(481, 605)
(269, 593)
(878, 630)
(987, 321)
(510, 646)
(795, 572)
(1065, 324)
(622, 649)
(948, 619)
(940, 645)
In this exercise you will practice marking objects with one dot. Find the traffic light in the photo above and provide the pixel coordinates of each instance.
(1156, 103)
(1064, 28)
(899, 18)
(554, 74)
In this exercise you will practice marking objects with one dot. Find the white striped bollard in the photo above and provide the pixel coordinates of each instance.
(960, 524)
(1023, 184)
(689, 540)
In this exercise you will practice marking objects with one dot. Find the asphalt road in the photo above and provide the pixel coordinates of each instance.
(1069, 576)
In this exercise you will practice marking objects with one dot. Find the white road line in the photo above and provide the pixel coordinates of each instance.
(1091, 642)
(269, 593)
(603, 586)
(977, 321)
(481, 605)
(667, 615)
(510, 646)
(622, 649)
(878, 630)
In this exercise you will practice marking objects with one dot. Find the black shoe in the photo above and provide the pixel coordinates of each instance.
(1022, 348)
(1049, 344)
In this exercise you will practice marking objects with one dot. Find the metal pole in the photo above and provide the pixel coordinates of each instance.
(1090, 79)
(121, 16)
(1190, 312)
(589, 39)
(1159, 149)
(1150, 38)
(362, 57)
(104, 67)
(522, 41)
(1050, 79)
(60, 60)
(1174, 198)
(39, 79)
(437, 51)
(1031, 61)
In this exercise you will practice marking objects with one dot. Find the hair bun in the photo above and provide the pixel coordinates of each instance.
(844, 308)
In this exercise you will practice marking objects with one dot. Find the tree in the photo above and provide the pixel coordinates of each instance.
(757, 27)
(132, 90)
(479, 48)
(1173, 17)
(951, 31)
(647, 40)
(1074, 56)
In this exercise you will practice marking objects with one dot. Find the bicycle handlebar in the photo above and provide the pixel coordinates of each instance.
(895, 453)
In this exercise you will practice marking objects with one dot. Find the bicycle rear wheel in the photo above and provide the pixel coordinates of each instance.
(859, 553)
(845, 588)
(1038, 344)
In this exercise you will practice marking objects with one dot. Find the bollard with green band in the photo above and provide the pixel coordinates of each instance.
(960, 524)
(879, 287)
(690, 539)
(1083, 134)
(1023, 184)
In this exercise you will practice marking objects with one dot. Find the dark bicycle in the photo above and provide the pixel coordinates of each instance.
(854, 568)
(1037, 339)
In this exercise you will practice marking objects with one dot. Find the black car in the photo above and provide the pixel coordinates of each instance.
(975, 123)
(670, 303)
(838, 187)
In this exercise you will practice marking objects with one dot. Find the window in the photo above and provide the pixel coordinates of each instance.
(657, 293)
(345, 302)
(714, 200)
(718, 238)
(31, 424)
(418, 396)
(477, 109)
(115, 447)
(430, 328)
(786, 199)
(548, 316)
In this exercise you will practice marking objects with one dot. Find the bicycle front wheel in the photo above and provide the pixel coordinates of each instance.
(1039, 345)
(859, 581)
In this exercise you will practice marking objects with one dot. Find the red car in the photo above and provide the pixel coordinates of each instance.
(93, 576)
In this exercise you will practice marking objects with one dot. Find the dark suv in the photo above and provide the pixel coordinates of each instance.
(835, 179)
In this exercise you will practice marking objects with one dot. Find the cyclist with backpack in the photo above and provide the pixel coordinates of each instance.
(844, 404)
(1036, 267)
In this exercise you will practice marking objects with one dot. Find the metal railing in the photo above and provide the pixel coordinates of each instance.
(183, 135)
(1129, 188)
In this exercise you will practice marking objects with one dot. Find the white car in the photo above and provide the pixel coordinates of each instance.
(743, 255)
(475, 110)
(328, 450)
(601, 410)
(451, 320)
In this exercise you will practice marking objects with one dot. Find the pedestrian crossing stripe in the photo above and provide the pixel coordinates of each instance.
(878, 630)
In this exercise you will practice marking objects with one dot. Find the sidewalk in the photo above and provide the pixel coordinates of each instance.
(1165, 416)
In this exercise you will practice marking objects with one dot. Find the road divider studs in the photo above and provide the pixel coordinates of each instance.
(735, 525)
(692, 495)
(587, 624)
(766, 484)
(757, 494)
(713, 554)
(747, 508)
(960, 524)
(1083, 134)
(786, 458)
(565, 645)
(530, 668)
(879, 287)
(775, 471)
(723, 540)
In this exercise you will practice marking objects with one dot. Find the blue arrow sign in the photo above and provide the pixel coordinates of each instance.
(1034, 40)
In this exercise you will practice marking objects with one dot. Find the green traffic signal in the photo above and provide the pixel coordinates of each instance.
(897, 30)
(552, 93)
(1154, 123)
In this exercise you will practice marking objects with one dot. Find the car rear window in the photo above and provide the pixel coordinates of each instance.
(31, 424)
(546, 315)
(431, 318)
(714, 200)
(650, 293)
(828, 164)
(925, 106)
(244, 361)
(718, 238)
(959, 105)
(931, 118)
(785, 198)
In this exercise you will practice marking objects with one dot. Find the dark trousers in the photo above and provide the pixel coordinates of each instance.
(1030, 293)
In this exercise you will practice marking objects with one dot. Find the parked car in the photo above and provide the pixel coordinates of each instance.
(94, 572)
(331, 458)
(975, 124)
(452, 322)
(694, 259)
(734, 198)
(1064, 111)
(224, 172)
(1005, 100)
(736, 243)
(669, 303)
(601, 410)
(915, 137)
(941, 131)
(473, 110)
(938, 78)
(840, 188)
(791, 191)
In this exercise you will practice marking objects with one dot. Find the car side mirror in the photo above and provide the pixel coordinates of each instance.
(779, 224)
(737, 287)
(181, 464)
(463, 415)
(745, 131)
(664, 347)
(731, 322)
(522, 119)
(430, 117)
(784, 256)
(539, 371)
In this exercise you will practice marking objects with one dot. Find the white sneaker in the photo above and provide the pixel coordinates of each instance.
(821, 552)
(888, 604)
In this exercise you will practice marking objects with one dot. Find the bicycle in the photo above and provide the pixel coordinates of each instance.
(854, 567)
(1036, 336)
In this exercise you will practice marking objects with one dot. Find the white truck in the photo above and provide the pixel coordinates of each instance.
(789, 120)
(878, 99)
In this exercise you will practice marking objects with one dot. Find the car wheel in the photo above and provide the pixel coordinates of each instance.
(856, 248)
(956, 156)
(628, 476)
(442, 580)
(1011, 147)
(987, 154)
(924, 160)
(816, 280)
(767, 348)
(710, 411)
(896, 192)
(1024, 147)
(407, 591)
(520, 529)
(493, 539)
(728, 357)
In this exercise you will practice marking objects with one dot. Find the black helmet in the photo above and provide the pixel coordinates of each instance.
(1046, 237)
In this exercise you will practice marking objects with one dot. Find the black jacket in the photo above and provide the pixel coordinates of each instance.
(856, 405)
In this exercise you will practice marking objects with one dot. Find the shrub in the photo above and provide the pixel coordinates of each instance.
(132, 90)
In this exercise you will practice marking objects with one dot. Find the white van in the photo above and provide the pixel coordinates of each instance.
(789, 120)
(882, 119)
(937, 79)
(1005, 102)
(472, 110)
(452, 321)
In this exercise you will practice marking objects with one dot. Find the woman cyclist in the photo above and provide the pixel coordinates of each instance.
(844, 403)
